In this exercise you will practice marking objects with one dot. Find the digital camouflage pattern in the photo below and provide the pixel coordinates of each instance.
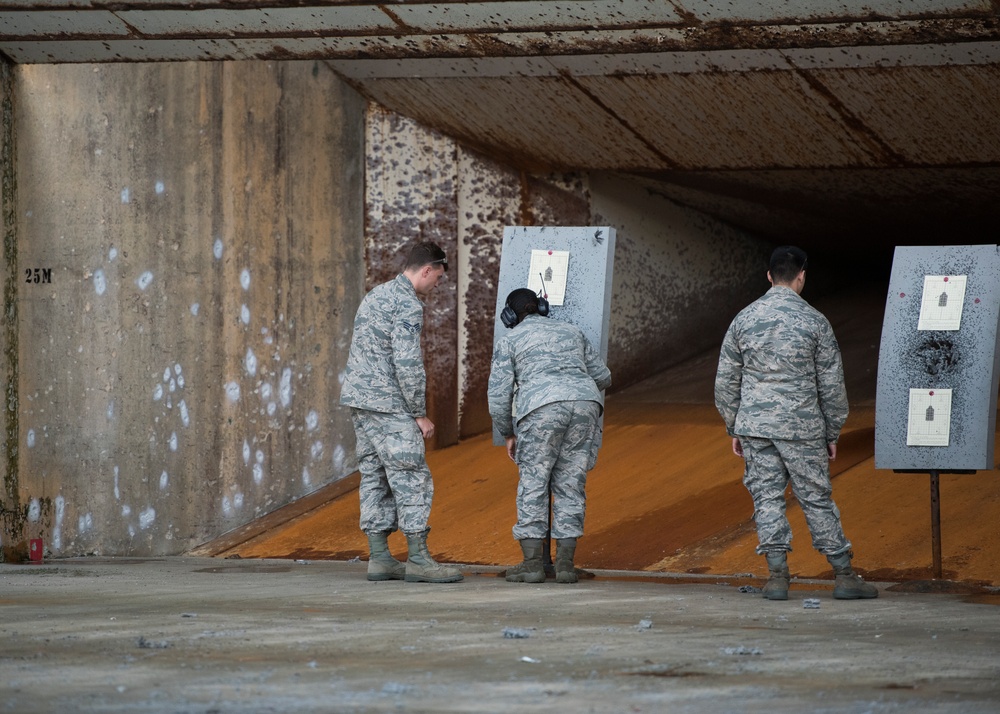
(385, 386)
(396, 487)
(780, 389)
(545, 386)
(780, 374)
(556, 447)
(385, 367)
(548, 361)
(769, 464)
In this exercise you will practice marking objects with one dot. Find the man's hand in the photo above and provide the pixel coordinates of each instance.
(426, 427)
(737, 447)
(511, 442)
(831, 449)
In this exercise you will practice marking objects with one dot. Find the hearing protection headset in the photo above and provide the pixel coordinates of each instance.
(509, 318)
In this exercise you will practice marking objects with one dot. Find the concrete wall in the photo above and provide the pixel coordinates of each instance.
(680, 277)
(202, 223)
(200, 252)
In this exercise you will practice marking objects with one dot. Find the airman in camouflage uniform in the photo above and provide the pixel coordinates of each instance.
(385, 386)
(545, 399)
(780, 389)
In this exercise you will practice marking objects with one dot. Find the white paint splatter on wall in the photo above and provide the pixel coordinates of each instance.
(233, 391)
(126, 195)
(100, 282)
(112, 254)
(111, 411)
(57, 529)
(217, 249)
(339, 454)
(159, 187)
(306, 476)
(227, 506)
(31, 438)
(144, 280)
(285, 390)
(34, 511)
(312, 420)
(85, 523)
(118, 494)
(164, 480)
(271, 408)
(245, 314)
(245, 279)
(126, 511)
(238, 500)
(259, 456)
(147, 517)
(173, 441)
(258, 473)
(194, 308)
(246, 452)
(158, 393)
(250, 362)
(316, 450)
(185, 417)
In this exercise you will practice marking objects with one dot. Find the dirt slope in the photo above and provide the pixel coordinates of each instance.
(667, 493)
(667, 496)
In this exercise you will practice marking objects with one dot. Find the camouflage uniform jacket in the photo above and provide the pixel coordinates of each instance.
(539, 362)
(780, 374)
(385, 368)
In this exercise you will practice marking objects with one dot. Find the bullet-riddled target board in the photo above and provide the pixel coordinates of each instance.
(571, 266)
(938, 368)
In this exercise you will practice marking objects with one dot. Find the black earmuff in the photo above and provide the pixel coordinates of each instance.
(508, 317)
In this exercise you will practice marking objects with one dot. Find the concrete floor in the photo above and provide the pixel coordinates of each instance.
(216, 635)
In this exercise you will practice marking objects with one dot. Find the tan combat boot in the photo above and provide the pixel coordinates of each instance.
(565, 551)
(531, 570)
(776, 587)
(848, 585)
(381, 564)
(422, 568)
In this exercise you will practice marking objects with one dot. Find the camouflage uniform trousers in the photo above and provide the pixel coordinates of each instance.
(770, 464)
(396, 487)
(556, 447)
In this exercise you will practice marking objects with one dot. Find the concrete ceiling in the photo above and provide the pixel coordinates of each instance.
(843, 123)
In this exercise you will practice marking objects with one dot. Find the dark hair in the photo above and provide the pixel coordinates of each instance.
(523, 301)
(425, 254)
(787, 261)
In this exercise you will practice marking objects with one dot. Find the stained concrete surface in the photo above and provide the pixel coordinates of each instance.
(212, 635)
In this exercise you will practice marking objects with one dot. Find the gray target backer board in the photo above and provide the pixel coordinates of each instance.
(584, 256)
(939, 362)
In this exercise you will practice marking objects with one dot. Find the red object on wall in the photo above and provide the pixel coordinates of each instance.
(35, 550)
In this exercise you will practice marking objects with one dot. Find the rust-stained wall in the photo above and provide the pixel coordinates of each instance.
(202, 225)
(410, 185)
(680, 276)
(11, 517)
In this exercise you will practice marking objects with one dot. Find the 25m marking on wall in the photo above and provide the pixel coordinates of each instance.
(34, 276)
